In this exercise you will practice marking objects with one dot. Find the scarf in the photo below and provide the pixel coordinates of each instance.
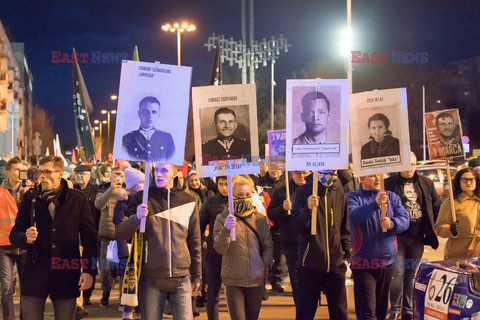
(51, 198)
(132, 272)
(327, 178)
(243, 206)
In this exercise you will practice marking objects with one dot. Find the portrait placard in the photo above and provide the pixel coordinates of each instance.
(277, 149)
(317, 124)
(152, 112)
(444, 134)
(380, 135)
(226, 132)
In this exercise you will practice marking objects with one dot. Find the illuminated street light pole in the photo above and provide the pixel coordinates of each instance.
(108, 127)
(179, 29)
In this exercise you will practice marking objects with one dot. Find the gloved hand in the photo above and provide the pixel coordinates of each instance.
(454, 228)
(230, 222)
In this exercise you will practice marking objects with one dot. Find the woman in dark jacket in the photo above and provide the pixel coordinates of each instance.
(194, 185)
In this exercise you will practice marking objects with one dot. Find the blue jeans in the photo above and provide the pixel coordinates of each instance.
(152, 300)
(408, 258)
(7, 267)
(33, 308)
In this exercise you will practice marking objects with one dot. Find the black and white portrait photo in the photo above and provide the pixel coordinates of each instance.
(151, 124)
(380, 136)
(147, 142)
(225, 129)
(381, 142)
(317, 123)
(231, 137)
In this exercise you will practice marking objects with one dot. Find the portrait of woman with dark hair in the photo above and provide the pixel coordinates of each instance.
(381, 143)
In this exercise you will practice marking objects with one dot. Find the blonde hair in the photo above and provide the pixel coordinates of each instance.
(242, 180)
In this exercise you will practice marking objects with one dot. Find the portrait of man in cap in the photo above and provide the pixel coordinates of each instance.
(148, 143)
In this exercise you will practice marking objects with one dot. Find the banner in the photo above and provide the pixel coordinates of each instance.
(226, 132)
(380, 134)
(444, 134)
(152, 112)
(317, 124)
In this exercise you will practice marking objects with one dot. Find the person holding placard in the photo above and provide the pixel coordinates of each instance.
(212, 207)
(172, 243)
(422, 204)
(277, 211)
(323, 257)
(373, 251)
(148, 143)
(246, 260)
(381, 143)
(464, 233)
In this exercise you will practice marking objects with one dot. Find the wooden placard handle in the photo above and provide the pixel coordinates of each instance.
(287, 185)
(384, 206)
(314, 209)
(450, 192)
(231, 209)
(145, 193)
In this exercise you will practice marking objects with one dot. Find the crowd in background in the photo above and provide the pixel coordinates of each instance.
(272, 237)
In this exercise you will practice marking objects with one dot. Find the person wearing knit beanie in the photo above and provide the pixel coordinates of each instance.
(133, 177)
(475, 164)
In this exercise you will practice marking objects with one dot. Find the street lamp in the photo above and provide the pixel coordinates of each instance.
(179, 28)
(108, 126)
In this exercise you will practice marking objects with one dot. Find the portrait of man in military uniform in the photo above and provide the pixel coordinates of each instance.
(147, 143)
(226, 145)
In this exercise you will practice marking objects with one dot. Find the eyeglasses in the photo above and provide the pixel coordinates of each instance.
(48, 173)
(467, 180)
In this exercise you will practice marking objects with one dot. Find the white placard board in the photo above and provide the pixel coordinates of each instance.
(226, 132)
(317, 124)
(380, 133)
(152, 112)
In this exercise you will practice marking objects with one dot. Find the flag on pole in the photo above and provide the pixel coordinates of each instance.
(82, 107)
(216, 78)
(47, 153)
(74, 157)
(135, 54)
(57, 151)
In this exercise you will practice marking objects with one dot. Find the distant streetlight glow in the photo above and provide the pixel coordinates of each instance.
(176, 27)
(346, 42)
(114, 97)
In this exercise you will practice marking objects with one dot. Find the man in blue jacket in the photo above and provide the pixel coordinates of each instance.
(323, 257)
(373, 251)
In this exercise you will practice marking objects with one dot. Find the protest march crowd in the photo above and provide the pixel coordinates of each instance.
(66, 227)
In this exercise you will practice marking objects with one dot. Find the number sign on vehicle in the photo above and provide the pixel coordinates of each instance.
(438, 294)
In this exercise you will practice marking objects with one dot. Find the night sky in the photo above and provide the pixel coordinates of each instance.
(446, 30)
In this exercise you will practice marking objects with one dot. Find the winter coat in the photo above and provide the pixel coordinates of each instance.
(428, 199)
(245, 260)
(277, 214)
(106, 202)
(369, 243)
(56, 268)
(326, 250)
(91, 192)
(208, 214)
(172, 241)
(468, 215)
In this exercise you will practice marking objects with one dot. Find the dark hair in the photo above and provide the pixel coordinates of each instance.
(11, 162)
(148, 100)
(57, 161)
(33, 174)
(443, 115)
(221, 178)
(457, 189)
(379, 117)
(224, 110)
(315, 95)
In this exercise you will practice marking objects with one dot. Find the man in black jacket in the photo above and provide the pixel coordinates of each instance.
(172, 246)
(422, 205)
(53, 265)
(323, 257)
(208, 213)
(277, 211)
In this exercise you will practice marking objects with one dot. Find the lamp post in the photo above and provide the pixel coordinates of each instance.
(179, 29)
(99, 128)
(108, 126)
